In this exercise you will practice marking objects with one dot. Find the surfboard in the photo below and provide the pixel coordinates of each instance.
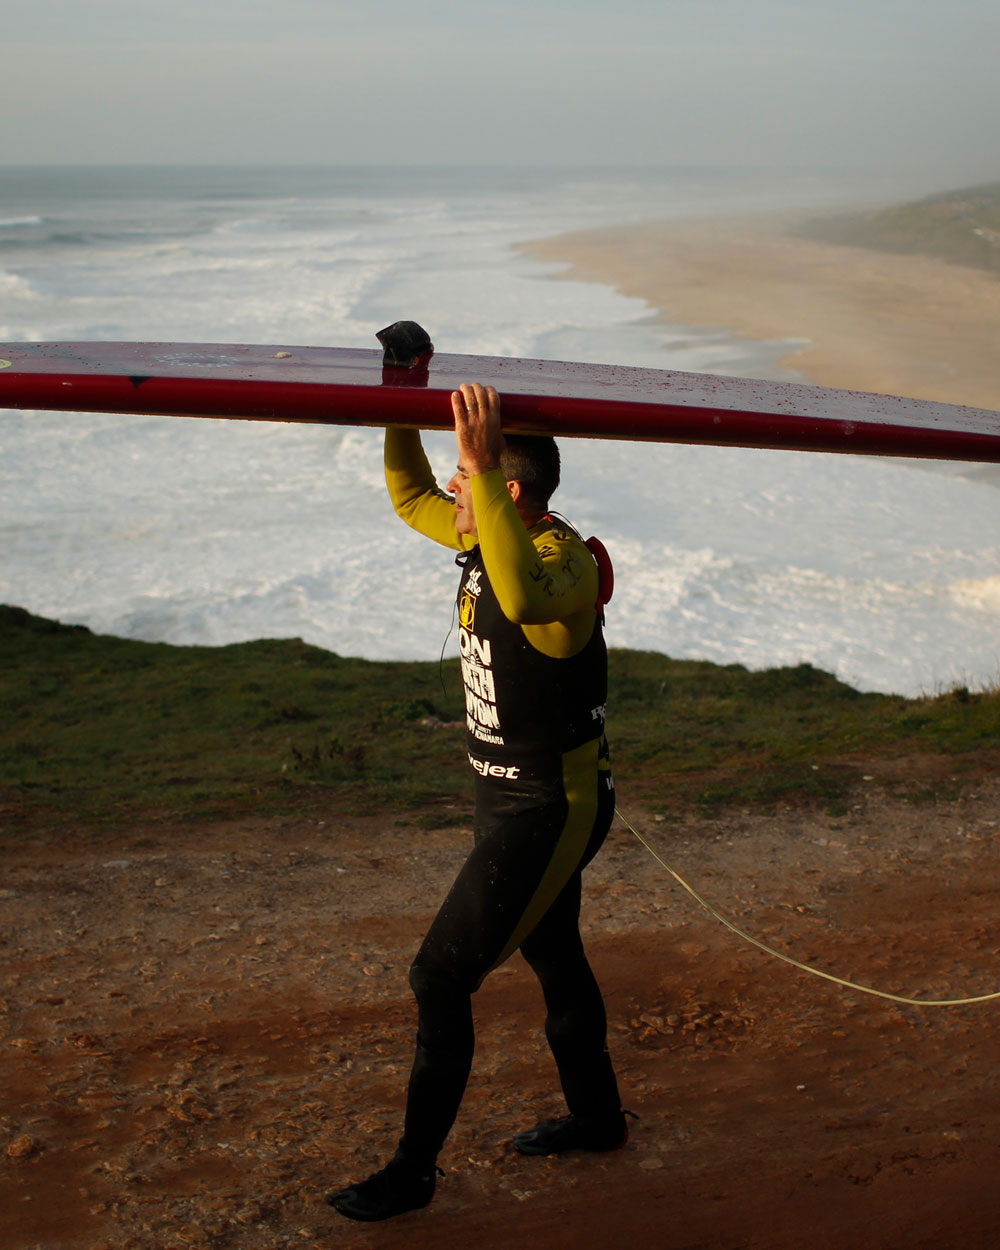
(356, 386)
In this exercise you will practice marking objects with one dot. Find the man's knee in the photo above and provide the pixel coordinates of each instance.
(444, 1012)
(432, 983)
(551, 953)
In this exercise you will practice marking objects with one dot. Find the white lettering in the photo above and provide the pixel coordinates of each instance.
(509, 772)
(477, 649)
(479, 681)
(480, 734)
(485, 713)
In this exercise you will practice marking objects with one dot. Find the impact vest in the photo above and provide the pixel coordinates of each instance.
(520, 702)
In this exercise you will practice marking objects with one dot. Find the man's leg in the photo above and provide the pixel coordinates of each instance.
(471, 934)
(576, 1022)
(520, 832)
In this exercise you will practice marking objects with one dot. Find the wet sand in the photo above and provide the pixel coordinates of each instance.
(859, 319)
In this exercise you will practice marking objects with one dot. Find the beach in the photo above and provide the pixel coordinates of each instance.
(855, 318)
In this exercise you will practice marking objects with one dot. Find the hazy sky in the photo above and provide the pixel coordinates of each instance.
(855, 83)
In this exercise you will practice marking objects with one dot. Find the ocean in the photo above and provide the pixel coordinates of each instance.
(884, 572)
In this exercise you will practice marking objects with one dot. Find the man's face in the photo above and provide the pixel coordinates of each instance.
(465, 515)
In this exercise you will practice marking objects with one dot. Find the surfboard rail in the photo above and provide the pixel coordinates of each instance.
(352, 386)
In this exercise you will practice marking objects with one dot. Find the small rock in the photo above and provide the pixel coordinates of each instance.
(22, 1147)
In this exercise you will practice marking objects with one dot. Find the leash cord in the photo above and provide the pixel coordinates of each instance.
(769, 950)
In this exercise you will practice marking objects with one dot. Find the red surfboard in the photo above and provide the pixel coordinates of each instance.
(354, 386)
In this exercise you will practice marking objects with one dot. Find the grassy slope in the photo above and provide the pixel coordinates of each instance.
(962, 227)
(98, 730)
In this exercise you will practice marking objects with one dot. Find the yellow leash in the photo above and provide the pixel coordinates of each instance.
(769, 950)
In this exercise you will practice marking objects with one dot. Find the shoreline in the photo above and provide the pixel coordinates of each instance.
(854, 318)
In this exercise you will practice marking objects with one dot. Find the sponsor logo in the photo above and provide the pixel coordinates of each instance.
(479, 681)
(471, 590)
(482, 716)
(485, 769)
(483, 713)
(478, 650)
(466, 610)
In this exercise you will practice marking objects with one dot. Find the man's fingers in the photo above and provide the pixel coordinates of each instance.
(473, 399)
(459, 406)
(477, 426)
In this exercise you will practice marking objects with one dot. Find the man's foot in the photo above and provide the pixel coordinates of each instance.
(574, 1132)
(400, 1186)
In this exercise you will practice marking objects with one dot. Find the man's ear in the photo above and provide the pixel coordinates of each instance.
(516, 491)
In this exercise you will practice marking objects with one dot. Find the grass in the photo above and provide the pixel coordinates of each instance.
(708, 734)
(95, 726)
(98, 730)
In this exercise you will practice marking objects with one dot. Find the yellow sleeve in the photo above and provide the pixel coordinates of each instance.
(545, 582)
(414, 492)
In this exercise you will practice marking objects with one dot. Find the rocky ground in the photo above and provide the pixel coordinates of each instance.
(204, 1029)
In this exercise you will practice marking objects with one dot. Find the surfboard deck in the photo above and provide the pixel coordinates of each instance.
(351, 386)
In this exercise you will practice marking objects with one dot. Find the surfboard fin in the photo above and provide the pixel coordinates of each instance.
(406, 344)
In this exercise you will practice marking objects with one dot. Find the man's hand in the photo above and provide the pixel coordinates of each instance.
(477, 428)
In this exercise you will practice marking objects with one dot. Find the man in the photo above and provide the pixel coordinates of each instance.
(534, 666)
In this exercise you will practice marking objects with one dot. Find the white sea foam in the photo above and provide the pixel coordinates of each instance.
(213, 532)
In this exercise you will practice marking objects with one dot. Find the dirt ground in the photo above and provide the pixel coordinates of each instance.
(203, 1030)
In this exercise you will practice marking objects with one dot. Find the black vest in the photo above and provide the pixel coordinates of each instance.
(520, 703)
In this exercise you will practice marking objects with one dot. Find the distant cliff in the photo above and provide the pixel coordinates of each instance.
(962, 227)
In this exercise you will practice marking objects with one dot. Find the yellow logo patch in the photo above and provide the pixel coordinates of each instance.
(467, 610)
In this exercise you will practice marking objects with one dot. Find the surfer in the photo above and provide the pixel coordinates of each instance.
(534, 667)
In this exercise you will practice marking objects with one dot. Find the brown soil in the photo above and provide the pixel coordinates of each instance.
(204, 1029)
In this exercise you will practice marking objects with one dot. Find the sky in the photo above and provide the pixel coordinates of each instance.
(842, 84)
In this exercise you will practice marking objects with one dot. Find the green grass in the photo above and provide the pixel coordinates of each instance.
(98, 729)
(962, 227)
(710, 734)
(95, 725)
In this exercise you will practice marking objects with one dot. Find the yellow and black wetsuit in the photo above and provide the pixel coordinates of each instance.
(534, 668)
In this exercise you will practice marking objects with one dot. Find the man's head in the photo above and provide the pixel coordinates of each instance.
(533, 461)
(530, 465)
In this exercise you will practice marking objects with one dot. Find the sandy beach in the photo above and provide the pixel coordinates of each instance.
(858, 319)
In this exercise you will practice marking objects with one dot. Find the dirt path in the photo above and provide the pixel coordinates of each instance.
(203, 1030)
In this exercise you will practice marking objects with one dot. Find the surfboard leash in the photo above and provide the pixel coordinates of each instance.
(769, 950)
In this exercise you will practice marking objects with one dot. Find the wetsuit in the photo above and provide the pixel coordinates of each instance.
(534, 668)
